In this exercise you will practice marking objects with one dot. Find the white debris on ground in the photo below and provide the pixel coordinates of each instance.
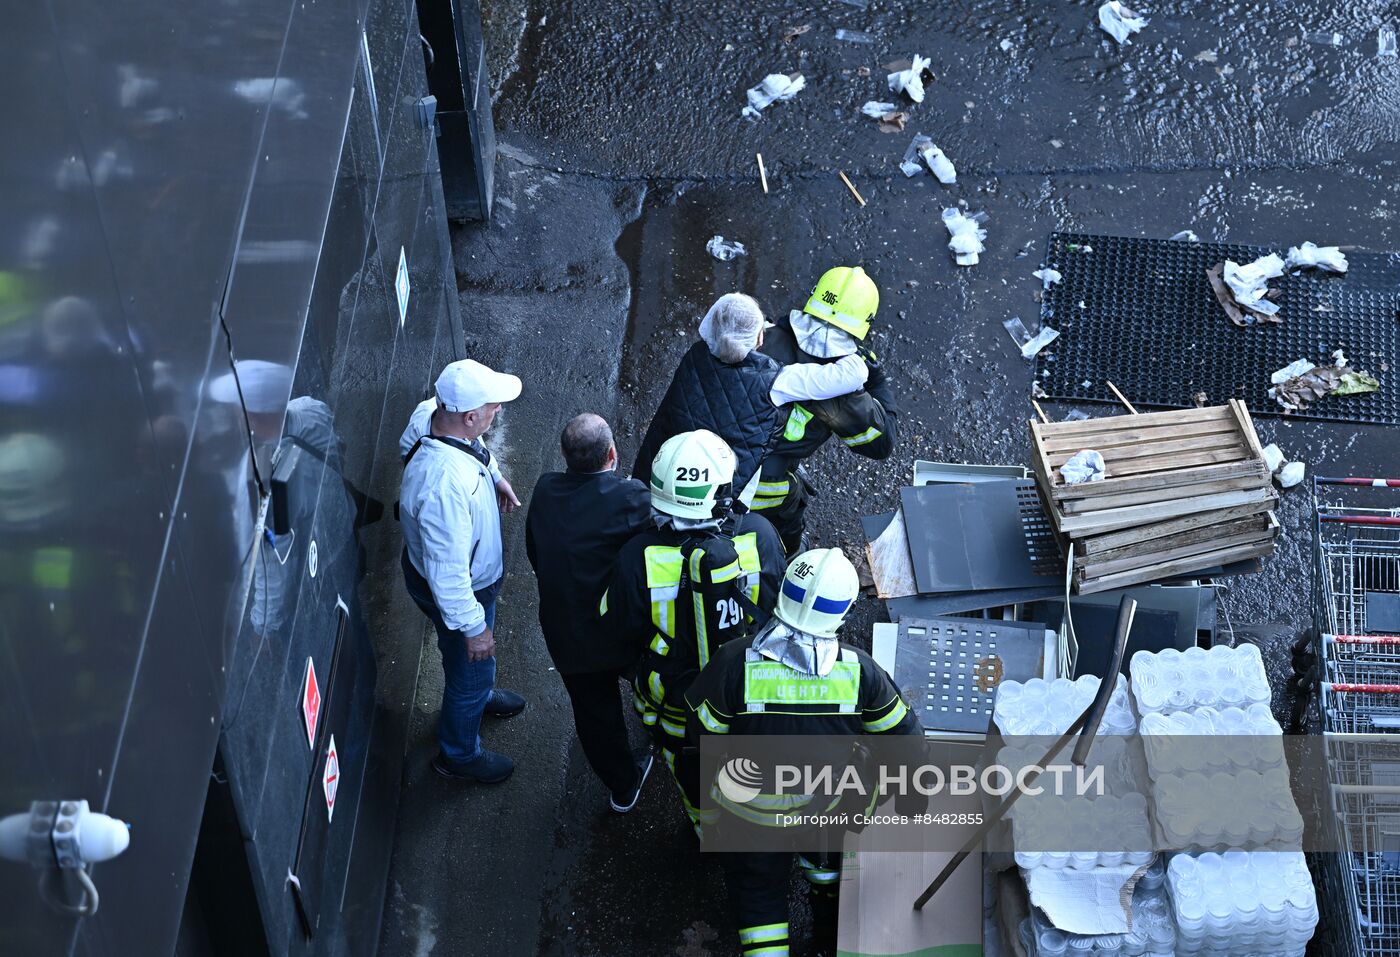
(1311, 254)
(939, 164)
(1273, 457)
(1185, 235)
(1119, 22)
(1291, 474)
(724, 251)
(911, 81)
(1086, 465)
(877, 110)
(1047, 276)
(1029, 345)
(934, 158)
(1249, 283)
(967, 235)
(1385, 42)
(775, 86)
(1291, 371)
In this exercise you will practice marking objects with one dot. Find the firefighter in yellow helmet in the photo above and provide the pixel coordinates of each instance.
(794, 677)
(833, 324)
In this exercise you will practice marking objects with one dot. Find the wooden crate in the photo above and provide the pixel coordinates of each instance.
(1186, 490)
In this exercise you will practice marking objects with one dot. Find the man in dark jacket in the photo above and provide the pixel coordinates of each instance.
(725, 386)
(831, 326)
(577, 522)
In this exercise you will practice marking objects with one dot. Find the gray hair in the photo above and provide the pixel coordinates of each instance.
(732, 326)
(585, 443)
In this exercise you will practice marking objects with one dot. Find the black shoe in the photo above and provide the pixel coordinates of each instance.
(626, 802)
(504, 704)
(488, 767)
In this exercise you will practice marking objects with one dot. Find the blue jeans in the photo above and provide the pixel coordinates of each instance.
(467, 685)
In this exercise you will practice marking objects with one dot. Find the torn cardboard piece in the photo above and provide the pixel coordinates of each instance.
(890, 564)
(876, 916)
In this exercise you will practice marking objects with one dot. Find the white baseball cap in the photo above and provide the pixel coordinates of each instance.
(266, 386)
(467, 384)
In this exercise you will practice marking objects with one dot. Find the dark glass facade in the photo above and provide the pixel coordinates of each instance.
(188, 190)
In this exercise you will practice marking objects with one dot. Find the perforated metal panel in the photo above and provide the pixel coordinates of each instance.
(949, 668)
(1141, 313)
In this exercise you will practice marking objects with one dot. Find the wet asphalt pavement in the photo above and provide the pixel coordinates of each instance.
(623, 152)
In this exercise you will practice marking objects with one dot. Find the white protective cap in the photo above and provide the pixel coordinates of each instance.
(467, 384)
(819, 588)
(266, 386)
(732, 325)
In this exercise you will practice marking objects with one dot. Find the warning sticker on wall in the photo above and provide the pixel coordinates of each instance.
(330, 780)
(310, 703)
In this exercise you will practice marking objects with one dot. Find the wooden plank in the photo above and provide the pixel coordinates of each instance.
(1165, 433)
(1039, 463)
(1113, 519)
(1261, 532)
(1164, 463)
(1246, 425)
(1098, 544)
(1085, 506)
(1155, 480)
(1181, 566)
(1189, 536)
(1112, 423)
(1143, 450)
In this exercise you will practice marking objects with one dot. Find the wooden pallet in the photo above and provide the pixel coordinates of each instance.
(1186, 490)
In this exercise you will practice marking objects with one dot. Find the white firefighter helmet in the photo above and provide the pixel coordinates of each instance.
(690, 472)
(818, 589)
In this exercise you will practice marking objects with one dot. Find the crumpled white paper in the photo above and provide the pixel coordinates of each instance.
(775, 86)
(911, 81)
(1291, 371)
(967, 234)
(877, 110)
(1273, 456)
(1119, 22)
(1291, 474)
(1311, 254)
(939, 164)
(1047, 276)
(724, 251)
(1250, 282)
(1086, 465)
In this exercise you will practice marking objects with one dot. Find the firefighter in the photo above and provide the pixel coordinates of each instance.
(832, 325)
(792, 678)
(683, 588)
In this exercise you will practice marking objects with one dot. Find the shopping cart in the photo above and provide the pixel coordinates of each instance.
(1355, 670)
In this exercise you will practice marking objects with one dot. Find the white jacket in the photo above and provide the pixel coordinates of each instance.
(452, 527)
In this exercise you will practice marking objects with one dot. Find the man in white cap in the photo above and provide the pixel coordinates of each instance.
(724, 385)
(452, 560)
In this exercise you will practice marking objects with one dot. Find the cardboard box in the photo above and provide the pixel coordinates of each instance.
(877, 916)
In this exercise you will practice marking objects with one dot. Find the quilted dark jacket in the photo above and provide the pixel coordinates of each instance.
(732, 401)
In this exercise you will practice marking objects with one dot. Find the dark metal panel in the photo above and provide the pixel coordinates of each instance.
(982, 536)
(169, 102)
(81, 519)
(160, 781)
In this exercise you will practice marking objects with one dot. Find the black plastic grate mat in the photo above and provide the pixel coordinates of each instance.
(1140, 313)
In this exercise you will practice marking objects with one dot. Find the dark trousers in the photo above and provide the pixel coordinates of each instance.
(758, 894)
(602, 728)
(789, 516)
